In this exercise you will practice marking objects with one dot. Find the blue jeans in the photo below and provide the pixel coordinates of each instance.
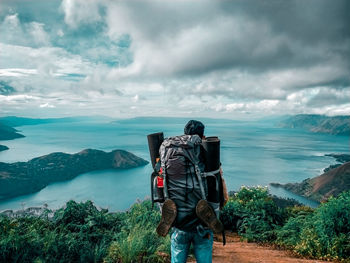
(202, 246)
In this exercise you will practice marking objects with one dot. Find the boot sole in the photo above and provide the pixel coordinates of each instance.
(169, 213)
(206, 213)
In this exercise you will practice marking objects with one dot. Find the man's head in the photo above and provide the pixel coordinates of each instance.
(194, 127)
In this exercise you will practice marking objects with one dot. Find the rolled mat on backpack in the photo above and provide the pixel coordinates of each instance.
(154, 142)
(211, 158)
(211, 153)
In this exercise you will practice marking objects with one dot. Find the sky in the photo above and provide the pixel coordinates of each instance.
(238, 59)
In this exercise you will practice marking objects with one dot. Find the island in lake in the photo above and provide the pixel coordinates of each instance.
(21, 178)
(335, 180)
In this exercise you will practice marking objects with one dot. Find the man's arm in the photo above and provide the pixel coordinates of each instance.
(224, 187)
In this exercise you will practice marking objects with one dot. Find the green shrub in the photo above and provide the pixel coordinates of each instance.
(289, 234)
(327, 232)
(81, 233)
(138, 240)
(254, 215)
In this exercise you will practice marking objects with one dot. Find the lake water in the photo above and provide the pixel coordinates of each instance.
(252, 153)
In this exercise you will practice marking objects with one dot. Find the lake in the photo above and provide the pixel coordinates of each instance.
(252, 153)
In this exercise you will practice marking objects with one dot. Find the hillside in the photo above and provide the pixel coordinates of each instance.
(81, 232)
(3, 148)
(319, 188)
(337, 125)
(8, 133)
(27, 177)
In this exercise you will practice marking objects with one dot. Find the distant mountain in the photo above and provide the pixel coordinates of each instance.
(8, 133)
(28, 177)
(171, 120)
(3, 148)
(15, 121)
(319, 188)
(337, 125)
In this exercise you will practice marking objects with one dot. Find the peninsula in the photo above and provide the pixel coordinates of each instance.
(3, 148)
(335, 180)
(28, 177)
(8, 133)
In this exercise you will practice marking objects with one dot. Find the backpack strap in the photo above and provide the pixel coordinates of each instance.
(211, 173)
(199, 177)
(152, 198)
(165, 189)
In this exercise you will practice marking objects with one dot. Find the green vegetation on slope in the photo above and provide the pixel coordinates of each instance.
(82, 233)
(322, 233)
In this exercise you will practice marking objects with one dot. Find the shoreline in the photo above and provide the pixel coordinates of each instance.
(304, 187)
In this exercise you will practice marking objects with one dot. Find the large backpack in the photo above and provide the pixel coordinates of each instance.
(179, 175)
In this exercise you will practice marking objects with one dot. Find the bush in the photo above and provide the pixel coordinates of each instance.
(326, 234)
(138, 241)
(82, 233)
(289, 235)
(254, 215)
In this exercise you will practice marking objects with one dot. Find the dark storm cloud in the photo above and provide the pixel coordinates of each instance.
(311, 32)
(250, 36)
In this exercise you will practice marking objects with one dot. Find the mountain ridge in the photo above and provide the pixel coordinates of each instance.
(336, 125)
(21, 178)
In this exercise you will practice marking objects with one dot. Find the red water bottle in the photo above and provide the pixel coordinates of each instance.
(160, 182)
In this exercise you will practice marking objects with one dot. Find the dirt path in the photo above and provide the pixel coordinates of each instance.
(242, 252)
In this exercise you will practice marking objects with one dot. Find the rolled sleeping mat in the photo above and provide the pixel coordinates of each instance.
(154, 142)
(211, 153)
(211, 158)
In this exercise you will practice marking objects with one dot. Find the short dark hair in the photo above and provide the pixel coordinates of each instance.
(194, 127)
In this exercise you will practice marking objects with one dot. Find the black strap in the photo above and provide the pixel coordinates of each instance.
(223, 238)
(152, 178)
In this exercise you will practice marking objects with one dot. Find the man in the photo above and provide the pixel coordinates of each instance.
(192, 218)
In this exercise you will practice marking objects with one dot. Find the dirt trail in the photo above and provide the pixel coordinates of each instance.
(242, 252)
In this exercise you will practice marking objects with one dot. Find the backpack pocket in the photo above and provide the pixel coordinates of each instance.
(157, 189)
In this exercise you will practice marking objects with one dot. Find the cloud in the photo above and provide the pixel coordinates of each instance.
(37, 31)
(45, 61)
(6, 88)
(46, 105)
(126, 58)
(329, 97)
(169, 39)
(31, 34)
(80, 12)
